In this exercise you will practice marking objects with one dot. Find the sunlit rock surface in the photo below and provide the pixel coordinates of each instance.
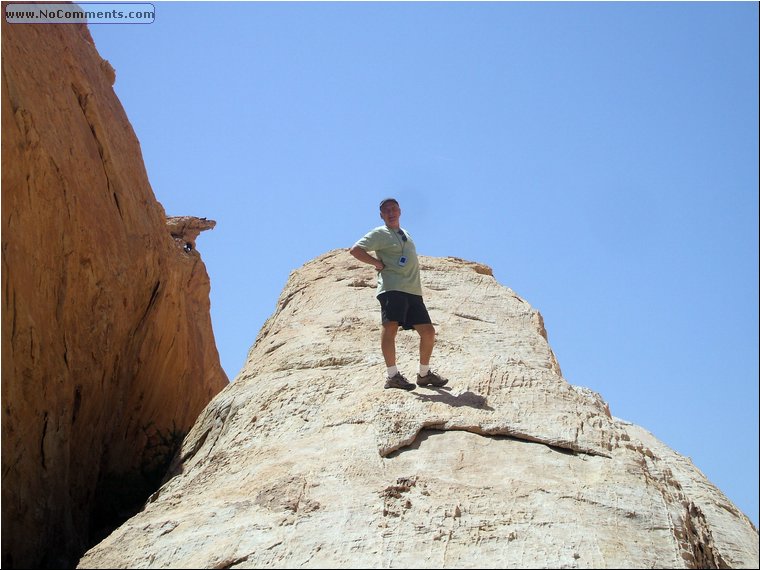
(306, 461)
(107, 345)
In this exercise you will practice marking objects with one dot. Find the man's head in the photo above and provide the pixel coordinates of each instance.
(390, 212)
(386, 200)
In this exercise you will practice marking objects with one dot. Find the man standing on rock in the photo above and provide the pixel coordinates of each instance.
(399, 291)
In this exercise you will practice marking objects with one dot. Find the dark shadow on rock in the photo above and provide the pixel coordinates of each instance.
(470, 399)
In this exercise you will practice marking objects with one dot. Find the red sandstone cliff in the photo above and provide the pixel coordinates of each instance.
(107, 344)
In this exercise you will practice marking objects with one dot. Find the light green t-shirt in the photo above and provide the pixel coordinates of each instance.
(389, 247)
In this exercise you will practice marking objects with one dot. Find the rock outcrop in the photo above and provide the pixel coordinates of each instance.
(108, 354)
(185, 229)
(306, 461)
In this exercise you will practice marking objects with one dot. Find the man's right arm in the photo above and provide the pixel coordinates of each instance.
(362, 255)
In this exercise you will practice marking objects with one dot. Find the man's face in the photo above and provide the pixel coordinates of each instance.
(390, 213)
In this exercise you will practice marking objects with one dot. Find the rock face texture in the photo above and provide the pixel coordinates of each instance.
(108, 355)
(306, 461)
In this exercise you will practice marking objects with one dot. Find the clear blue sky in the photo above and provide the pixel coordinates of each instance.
(601, 157)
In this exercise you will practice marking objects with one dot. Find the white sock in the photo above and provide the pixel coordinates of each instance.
(392, 371)
(424, 369)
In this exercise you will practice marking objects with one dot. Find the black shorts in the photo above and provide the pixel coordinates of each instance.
(404, 308)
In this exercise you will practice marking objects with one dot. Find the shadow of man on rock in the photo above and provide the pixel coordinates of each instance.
(443, 395)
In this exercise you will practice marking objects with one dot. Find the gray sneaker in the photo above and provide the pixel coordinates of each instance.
(432, 379)
(398, 381)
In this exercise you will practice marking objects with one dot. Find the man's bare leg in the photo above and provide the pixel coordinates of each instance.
(427, 341)
(388, 343)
